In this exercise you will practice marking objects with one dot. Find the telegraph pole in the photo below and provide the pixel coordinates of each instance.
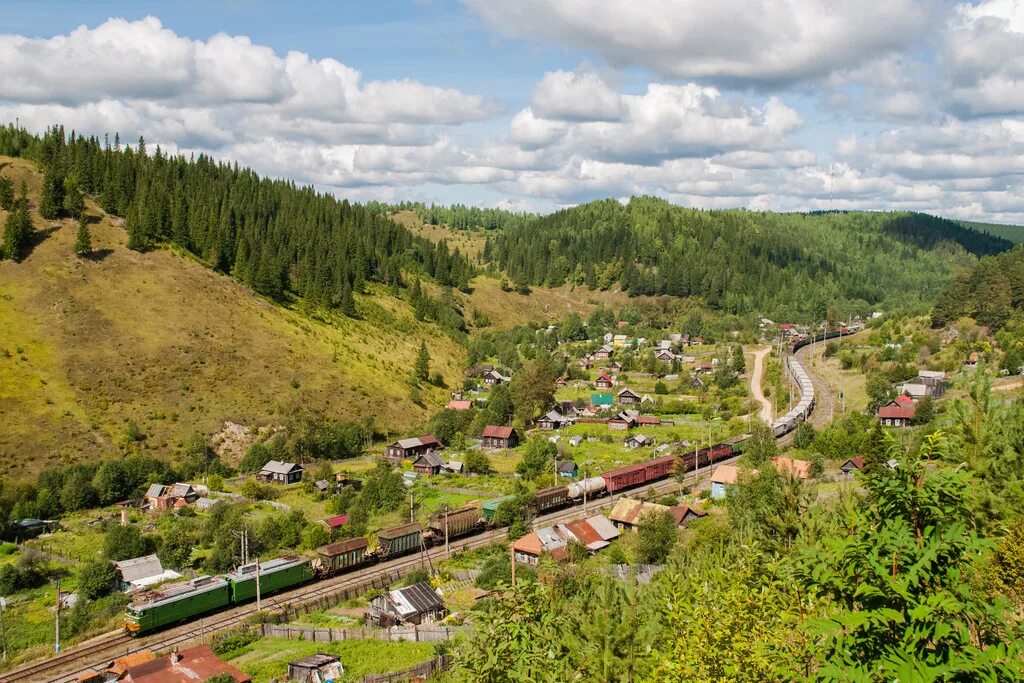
(512, 553)
(3, 630)
(447, 548)
(257, 585)
(56, 642)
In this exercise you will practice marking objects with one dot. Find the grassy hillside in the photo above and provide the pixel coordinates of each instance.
(158, 338)
(1014, 233)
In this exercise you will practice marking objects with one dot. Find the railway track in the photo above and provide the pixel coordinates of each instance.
(96, 654)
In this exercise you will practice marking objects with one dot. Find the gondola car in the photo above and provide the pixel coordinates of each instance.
(459, 522)
(399, 540)
(551, 498)
(341, 556)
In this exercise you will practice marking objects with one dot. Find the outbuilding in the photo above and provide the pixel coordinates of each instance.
(415, 604)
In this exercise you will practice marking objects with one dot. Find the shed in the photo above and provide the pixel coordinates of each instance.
(723, 477)
(575, 440)
(683, 514)
(142, 571)
(415, 604)
(335, 522)
(567, 468)
(281, 472)
(854, 464)
(316, 669)
(321, 486)
(638, 441)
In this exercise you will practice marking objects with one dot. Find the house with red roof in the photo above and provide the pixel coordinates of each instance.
(896, 414)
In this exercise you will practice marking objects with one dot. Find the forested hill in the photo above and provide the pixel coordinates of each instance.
(992, 292)
(786, 266)
(1014, 233)
(273, 236)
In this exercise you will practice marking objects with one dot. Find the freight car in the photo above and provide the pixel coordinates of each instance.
(338, 557)
(593, 487)
(399, 540)
(551, 498)
(455, 523)
(490, 508)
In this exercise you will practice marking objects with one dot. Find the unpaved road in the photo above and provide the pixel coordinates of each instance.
(755, 384)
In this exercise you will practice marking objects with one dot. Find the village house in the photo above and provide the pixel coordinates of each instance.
(594, 533)
(585, 363)
(280, 472)
(615, 367)
(161, 497)
(604, 382)
(722, 478)
(499, 437)
(568, 409)
(936, 379)
(412, 605)
(494, 378)
(197, 663)
(801, 469)
(627, 513)
(896, 414)
(638, 441)
(601, 401)
(603, 353)
(143, 571)
(620, 340)
(459, 404)
(648, 421)
(624, 421)
(627, 397)
(568, 468)
(429, 463)
(551, 420)
(408, 449)
(705, 368)
(914, 390)
(854, 464)
(665, 356)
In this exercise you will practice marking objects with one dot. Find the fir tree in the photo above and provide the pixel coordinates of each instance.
(83, 240)
(17, 232)
(347, 303)
(51, 203)
(136, 239)
(6, 193)
(422, 369)
(74, 200)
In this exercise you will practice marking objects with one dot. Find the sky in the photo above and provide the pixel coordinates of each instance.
(786, 105)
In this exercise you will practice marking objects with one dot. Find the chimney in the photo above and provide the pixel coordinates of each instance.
(124, 515)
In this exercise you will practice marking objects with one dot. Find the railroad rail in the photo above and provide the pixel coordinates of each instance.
(96, 654)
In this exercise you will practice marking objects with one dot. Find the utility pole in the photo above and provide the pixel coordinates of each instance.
(512, 554)
(56, 642)
(3, 630)
(412, 514)
(447, 548)
(258, 607)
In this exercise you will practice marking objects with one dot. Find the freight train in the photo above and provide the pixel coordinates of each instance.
(175, 603)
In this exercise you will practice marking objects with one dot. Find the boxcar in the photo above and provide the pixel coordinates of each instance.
(400, 539)
(624, 477)
(687, 462)
(462, 521)
(659, 467)
(720, 452)
(339, 556)
(490, 508)
(275, 575)
(550, 498)
(176, 602)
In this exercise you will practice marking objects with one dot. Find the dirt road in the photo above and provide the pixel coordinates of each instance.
(755, 385)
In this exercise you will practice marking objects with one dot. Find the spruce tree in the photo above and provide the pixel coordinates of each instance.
(83, 240)
(136, 240)
(17, 232)
(51, 203)
(422, 369)
(347, 304)
(6, 193)
(74, 200)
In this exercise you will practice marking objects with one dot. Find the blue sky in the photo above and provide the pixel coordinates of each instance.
(536, 104)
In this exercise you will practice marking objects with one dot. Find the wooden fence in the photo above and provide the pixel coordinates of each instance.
(419, 634)
(421, 671)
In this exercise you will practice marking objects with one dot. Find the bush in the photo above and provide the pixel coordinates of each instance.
(124, 543)
(258, 491)
(96, 579)
(231, 641)
(416, 576)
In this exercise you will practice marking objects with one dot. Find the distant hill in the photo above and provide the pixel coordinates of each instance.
(786, 266)
(1014, 233)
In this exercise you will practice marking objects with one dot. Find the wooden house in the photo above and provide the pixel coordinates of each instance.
(499, 437)
(280, 472)
(628, 397)
(408, 449)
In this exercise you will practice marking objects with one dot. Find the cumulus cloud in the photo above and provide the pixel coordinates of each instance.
(143, 61)
(754, 42)
(570, 96)
(984, 54)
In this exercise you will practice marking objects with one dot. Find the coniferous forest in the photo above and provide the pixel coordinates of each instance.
(274, 236)
(788, 266)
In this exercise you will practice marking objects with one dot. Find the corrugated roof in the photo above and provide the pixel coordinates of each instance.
(155, 490)
(725, 474)
(603, 527)
(430, 458)
(680, 512)
(180, 489)
(459, 405)
(336, 521)
(583, 532)
(529, 544)
(896, 412)
(139, 568)
(497, 432)
(189, 666)
(279, 467)
(416, 599)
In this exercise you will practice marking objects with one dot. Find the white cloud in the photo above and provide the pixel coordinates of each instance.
(984, 55)
(772, 41)
(575, 96)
